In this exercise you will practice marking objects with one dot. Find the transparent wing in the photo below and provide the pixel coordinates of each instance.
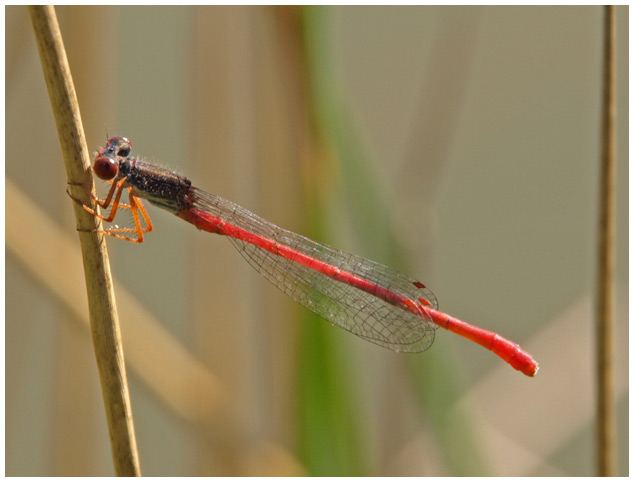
(353, 309)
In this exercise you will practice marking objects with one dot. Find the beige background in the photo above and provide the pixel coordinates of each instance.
(481, 127)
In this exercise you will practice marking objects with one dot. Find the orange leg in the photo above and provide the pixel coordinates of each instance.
(105, 202)
(135, 206)
(119, 186)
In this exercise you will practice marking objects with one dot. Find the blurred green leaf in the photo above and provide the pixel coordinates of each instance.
(329, 431)
(330, 435)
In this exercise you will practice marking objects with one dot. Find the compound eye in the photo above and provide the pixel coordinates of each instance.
(105, 168)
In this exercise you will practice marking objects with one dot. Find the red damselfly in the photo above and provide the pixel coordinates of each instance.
(373, 301)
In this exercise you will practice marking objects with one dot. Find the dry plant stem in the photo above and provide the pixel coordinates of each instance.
(103, 316)
(605, 436)
(186, 387)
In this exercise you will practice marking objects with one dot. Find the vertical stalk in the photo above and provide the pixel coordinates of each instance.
(605, 434)
(103, 315)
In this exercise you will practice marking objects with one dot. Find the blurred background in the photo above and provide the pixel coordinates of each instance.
(457, 144)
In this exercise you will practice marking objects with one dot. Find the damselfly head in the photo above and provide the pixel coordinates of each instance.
(119, 146)
(106, 164)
